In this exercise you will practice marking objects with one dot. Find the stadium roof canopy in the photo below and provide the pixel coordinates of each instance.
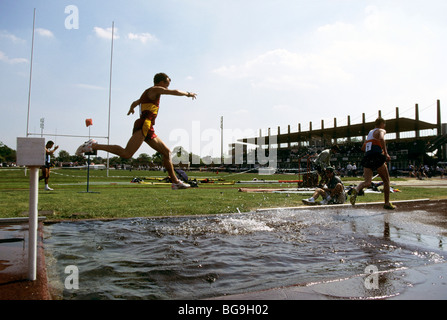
(354, 130)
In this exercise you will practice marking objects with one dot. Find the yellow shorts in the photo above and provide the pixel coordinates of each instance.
(146, 122)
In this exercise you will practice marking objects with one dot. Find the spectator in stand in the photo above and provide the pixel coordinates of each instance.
(349, 169)
(354, 170)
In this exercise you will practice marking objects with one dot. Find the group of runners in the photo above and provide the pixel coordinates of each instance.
(376, 154)
(375, 159)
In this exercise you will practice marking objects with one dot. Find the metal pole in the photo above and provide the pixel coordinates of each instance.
(88, 163)
(221, 140)
(33, 223)
(110, 93)
(65, 135)
(42, 126)
(88, 172)
(30, 73)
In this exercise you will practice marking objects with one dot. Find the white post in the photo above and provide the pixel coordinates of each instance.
(33, 223)
(110, 93)
(221, 141)
(30, 74)
(31, 153)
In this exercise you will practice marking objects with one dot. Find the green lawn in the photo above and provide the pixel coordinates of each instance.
(116, 197)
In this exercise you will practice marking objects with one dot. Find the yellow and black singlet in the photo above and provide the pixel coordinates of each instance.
(148, 114)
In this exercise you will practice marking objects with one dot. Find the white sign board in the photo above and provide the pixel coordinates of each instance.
(30, 152)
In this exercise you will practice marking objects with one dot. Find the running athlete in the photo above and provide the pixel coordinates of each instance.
(143, 129)
(46, 168)
(376, 156)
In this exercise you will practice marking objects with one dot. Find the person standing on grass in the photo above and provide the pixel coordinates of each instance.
(143, 129)
(46, 168)
(376, 156)
(323, 161)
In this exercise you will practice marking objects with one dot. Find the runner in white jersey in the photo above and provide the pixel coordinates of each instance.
(376, 156)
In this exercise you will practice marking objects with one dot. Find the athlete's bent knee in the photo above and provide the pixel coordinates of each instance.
(126, 155)
(167, 154)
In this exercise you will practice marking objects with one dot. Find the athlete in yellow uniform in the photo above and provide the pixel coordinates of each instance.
(148, 113)
(143, 129)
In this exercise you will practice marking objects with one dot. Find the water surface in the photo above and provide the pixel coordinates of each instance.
(203, 257)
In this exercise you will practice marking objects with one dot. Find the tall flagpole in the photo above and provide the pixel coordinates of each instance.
(33, 195)
(110, 93)
(30, 74)
(221, 140)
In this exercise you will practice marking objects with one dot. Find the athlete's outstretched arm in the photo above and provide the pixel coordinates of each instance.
(133, 106)
(162, 90)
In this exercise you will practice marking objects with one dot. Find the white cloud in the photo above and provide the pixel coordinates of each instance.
(282, 108)
(5, 58)
(89, 86)
(142, 37)
(10, 36)
(337, 29)
(282, 69)
(240, 112)
(44, 33)
(106, 33)
(381, 47)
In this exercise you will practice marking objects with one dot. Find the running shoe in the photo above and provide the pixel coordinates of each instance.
(180, 185)
(389, 206)
(308, 201)
(353, 197)
(85, 147)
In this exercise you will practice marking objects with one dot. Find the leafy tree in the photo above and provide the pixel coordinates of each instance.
(7, 154)
(157, 158)
(64, 156)
(115, 161)
(143, 160)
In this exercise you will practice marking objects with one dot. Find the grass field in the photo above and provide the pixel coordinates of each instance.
(116, 197)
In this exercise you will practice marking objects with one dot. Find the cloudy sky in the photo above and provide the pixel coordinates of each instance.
(258, 63)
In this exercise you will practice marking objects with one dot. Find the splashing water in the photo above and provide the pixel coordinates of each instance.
(200, 257)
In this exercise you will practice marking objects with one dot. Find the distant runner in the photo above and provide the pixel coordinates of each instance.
(46, 168)
(376, 156)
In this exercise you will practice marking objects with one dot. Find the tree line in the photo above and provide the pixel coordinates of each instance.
(64, 158)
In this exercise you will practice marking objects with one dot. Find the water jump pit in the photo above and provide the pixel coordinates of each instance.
(14, 248)
(333, 252)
